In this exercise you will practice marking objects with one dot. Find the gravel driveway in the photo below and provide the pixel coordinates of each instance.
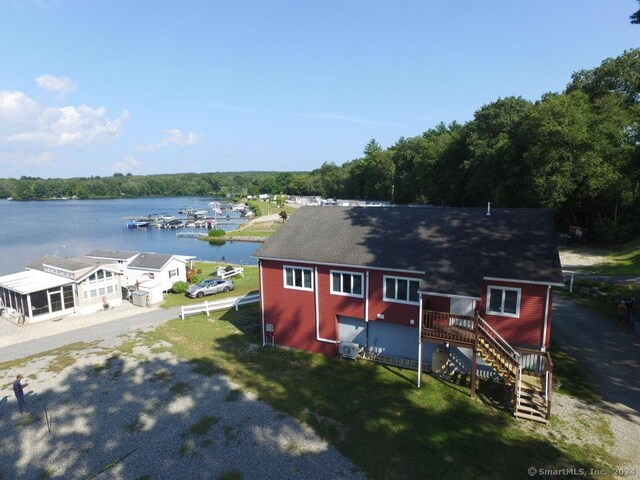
(611, 356)
(149, 416)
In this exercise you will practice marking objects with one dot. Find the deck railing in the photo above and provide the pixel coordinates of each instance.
(448, 327)
(540, 364)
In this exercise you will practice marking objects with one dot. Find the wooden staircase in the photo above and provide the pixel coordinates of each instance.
(531, 389)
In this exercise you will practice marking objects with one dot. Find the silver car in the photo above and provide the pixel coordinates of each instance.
(209, 287)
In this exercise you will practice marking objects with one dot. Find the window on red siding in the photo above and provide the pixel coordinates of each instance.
(298, 277)
(504, 301)
(346, 283)
(403, 290)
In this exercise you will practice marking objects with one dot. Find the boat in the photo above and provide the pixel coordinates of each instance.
(138, 223)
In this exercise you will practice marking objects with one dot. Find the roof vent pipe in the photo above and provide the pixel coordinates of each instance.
(488, 209)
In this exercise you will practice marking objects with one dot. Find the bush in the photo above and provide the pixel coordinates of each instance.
(180, 287)
(196, 279)
(217, 233)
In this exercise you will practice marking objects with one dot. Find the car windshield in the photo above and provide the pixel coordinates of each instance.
(203, 284)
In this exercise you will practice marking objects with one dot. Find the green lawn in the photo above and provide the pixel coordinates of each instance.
(375, 415)
(269, 208)
(244, 285)
(622, 261)
(248, 232)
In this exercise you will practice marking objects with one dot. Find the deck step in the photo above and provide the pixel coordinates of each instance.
(527, 416)
(526, 409)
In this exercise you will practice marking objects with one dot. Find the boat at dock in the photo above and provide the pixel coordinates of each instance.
(138, 223)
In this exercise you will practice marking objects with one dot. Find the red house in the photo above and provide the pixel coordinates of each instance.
(419, 287)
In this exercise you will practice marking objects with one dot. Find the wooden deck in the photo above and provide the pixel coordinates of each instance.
(528, 371)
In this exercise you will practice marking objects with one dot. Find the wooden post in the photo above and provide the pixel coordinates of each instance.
(474, 365)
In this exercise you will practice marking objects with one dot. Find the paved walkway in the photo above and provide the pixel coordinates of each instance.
(611, 356)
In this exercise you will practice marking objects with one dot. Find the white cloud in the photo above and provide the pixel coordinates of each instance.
(56, 84)
(24, 121)
(127, 164)
(174, 137)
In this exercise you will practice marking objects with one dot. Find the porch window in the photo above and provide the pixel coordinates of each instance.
(298, 278)
(401, 290)
(346, 283)
(504, 301)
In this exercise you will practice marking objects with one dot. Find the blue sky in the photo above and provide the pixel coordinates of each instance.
(98, 87)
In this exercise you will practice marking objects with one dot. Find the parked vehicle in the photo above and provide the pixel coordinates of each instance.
(209, 287)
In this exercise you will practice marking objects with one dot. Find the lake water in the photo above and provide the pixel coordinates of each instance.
(69, 228)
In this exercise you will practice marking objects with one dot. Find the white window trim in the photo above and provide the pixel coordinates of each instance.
(393, 300)
(353, 274)
(502, 314)
(293, 287)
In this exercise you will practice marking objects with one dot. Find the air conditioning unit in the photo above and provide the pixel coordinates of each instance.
(349, 349)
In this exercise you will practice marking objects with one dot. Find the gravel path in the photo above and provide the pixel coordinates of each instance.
(611, 355)
(29, 339)
(145, 415)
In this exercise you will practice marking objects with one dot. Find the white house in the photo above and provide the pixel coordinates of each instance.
(53, 287)
(138, 268)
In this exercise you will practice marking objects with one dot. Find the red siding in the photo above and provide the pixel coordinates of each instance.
(398, 313)
(292, 312)
(528, 328)
(436, 303)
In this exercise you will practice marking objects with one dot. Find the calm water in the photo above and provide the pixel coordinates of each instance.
(68, 228)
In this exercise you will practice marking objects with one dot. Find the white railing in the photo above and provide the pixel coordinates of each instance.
(208, 307)
(224, 274)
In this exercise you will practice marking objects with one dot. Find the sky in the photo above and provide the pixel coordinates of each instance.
(144, 87)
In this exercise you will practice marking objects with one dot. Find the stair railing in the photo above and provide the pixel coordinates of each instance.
(548, 384)
(496, 339)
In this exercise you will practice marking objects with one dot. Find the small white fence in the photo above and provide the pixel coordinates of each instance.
(216, 306)
(236, 272)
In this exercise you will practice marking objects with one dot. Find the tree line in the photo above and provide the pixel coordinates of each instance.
(576, 152)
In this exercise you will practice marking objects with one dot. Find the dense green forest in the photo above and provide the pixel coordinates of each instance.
(576, 152)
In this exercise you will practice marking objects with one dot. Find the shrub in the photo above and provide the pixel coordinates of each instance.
(180, 287)
(196, 279)
(217, 233)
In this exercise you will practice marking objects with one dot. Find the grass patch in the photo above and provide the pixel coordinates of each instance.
(244, 285)
(233, 395)
(46, 473)
(62, 351)
(624, 260)
(60, 362)
(180, 388)
(437, 430)
(187, 447)
(231, 475)
(250, 232)
(203, 426)
(28, 419)
(163, 375)
(134, 427)
(269, 208)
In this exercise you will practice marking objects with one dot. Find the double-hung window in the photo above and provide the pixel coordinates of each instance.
(503, 301)
(346, 283)
(298, 277)
(401, 290)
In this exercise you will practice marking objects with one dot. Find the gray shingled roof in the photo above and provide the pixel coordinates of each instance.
(455, 248)
(150, 261)
(112, 254)
(77, 266)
